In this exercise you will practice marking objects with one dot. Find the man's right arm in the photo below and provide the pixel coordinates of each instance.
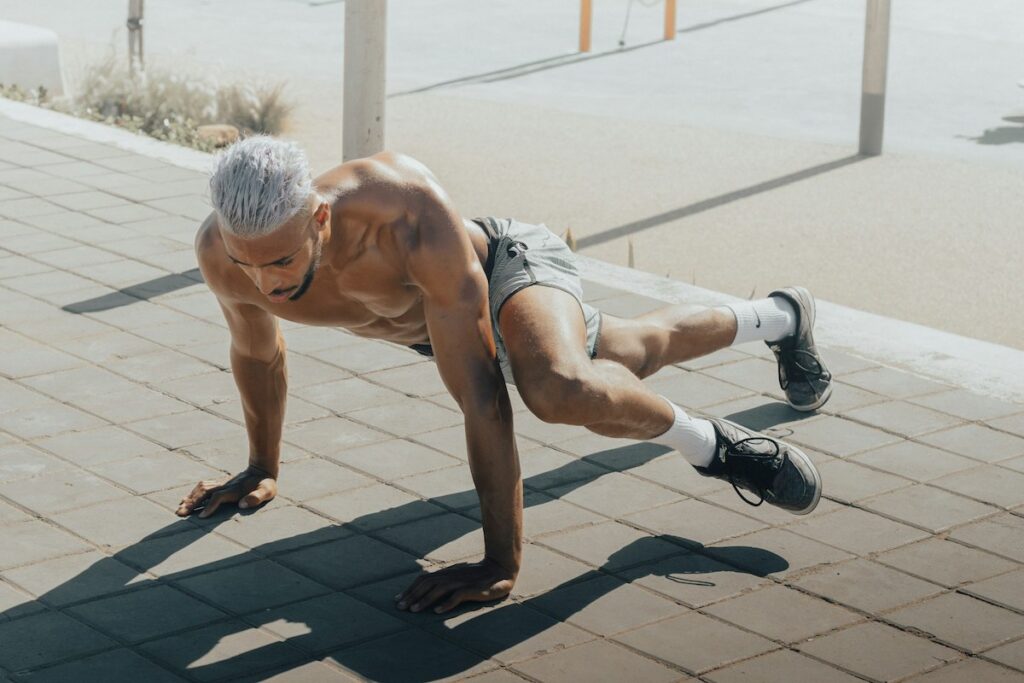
(258, 366)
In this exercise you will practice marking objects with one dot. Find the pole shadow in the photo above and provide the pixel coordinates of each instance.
(143, 291)
(361, 603)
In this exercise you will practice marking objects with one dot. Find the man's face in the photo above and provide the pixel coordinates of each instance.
(282, 264)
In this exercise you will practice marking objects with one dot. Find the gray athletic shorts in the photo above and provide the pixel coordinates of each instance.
(521, 255)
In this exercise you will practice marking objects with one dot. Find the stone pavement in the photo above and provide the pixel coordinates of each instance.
(115, 397)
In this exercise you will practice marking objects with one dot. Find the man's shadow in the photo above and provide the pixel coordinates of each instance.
(351, 618)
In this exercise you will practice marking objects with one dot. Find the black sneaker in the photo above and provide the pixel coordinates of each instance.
(802, 372)
(774, 471)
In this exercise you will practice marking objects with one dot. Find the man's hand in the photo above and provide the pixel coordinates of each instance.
(451, 586)
(249, 488)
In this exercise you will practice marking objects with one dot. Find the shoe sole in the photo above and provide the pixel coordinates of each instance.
(817, 481)
(795, 292)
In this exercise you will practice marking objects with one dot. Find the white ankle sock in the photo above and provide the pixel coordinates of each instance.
(694, 438)
(768, 319)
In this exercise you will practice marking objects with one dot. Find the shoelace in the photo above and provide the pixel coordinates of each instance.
(733, 453)
(791, 362)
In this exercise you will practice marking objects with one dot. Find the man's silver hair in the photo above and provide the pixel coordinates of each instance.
(258, 184)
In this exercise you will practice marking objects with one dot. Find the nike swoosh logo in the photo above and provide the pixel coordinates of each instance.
(758, 325)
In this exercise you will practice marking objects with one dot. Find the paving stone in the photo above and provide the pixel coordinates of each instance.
(278, 529)
(349, 562)
(695, 642)
(902, 418)
(119, 522)
(759, 413)
(988, 483)
(97, 446)
(183, 429)
(9, 513)
(978, 442)
(615, 495)
(59, 491)
(21, 461)
(596, 662)
(189, 206)
(330, 435)
(528, 425)
(88, 199)
(47, 637)
(775, 552)
(545, 468)
(692, 520)
(310, 672)
(16, 603)
(543, 515)
(697, 389)
(77, 258)
(394, 458)
(451, 487)
(130, 617)
(156, 471)
(766, 514)
(373, 507)
(157, 367)
(962, 621)
(783, 614)
(927, 507)
(99, 668)
(27, 359)
(946, 562)
(720, 357)
(611, 546)
(347, 395)
(229, 649)
(839, 437)
(1011, 655)
(1012, 423)
(452, 441)
(892, 383)
(180, 554)
(857, 531)
(543, 570)
(314, 477)
(444, 538)
(33, 541)
(618, 454)
(418, 379)
(326, 623)
(879, 652)
(605, 605)
(297, 411)
(1017, 464)
(74, 578)
(866, 585)
(407, 417)
(673, 472)
(974, 670)
(848, 482)
(847, 397)
(109, 346)
(509, 632)
(368, 356)
(252, 587)
(968, 405)
(42, 285)
(424, 657)
(1006, 590)
(17, 266)
(28, 206)
(780, 666)
(914, 461)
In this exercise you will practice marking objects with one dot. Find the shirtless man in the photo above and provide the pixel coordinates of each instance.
(377, 247)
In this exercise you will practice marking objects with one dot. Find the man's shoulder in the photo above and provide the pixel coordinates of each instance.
(210, 256)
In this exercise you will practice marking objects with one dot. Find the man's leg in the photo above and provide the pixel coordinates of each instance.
(545, 335)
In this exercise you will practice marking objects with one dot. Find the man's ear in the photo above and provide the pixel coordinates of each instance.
(322, 214)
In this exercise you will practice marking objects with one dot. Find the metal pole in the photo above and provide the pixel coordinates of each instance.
(876, 66)
(586, 22)
(365, 61)
(670, 19)
(135, 10)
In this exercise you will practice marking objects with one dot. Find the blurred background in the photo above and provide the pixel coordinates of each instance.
(726, 157)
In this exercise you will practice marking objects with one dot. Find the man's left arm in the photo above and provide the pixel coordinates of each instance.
(445, 266)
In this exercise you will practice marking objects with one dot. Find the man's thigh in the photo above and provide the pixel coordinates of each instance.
(545, 333)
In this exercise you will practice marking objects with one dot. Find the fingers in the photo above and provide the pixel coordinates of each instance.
(263, 493)
(196, 497)
(218, 497)
(437, 592)
(415, 590)
(457, 598)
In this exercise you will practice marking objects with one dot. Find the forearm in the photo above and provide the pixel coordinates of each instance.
(494, 462)
(263, 387)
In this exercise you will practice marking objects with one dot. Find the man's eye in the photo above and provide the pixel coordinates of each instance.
(286, 262)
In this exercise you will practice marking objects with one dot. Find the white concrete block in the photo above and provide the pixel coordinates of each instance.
(30, 57)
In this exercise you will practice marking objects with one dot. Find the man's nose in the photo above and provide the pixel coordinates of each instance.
(265, 281)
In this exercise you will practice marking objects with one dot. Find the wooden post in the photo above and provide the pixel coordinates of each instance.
(365, 61)
(876, 66)
(670, 19)
(586, 22)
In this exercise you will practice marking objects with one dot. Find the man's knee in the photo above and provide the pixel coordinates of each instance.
(560, 395)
